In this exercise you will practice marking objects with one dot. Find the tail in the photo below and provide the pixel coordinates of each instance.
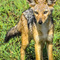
(11, 33)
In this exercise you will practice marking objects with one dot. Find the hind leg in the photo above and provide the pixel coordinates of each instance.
(25, 43)
(24, 36)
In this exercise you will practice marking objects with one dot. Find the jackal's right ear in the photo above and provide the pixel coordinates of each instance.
(51, 2)
(32, 2)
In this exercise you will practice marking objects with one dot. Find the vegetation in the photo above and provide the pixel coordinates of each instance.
(10, 12)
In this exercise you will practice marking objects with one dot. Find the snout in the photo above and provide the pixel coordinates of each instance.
(40, 21)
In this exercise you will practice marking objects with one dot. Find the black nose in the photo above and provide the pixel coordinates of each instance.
(40, 22)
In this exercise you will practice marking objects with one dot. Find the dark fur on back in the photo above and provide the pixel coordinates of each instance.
(29, 16)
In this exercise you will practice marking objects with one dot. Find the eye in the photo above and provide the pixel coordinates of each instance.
(35, 12)
(45, 12)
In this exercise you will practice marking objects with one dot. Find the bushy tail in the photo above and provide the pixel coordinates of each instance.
(11, 33)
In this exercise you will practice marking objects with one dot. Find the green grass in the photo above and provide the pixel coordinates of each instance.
(10, 12)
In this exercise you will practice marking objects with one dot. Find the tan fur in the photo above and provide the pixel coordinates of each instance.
(38, 36)
(41, 33)
(37, 32)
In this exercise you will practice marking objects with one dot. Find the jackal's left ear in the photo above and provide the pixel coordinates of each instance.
(32, 2)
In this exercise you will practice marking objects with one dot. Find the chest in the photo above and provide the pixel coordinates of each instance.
(39, 30)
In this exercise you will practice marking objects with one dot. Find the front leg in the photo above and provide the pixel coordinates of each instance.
(38, 44)
(39, 50)
(50, 43)
(50, 51)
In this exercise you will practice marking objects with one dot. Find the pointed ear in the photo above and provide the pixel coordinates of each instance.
(51, 2)
(32, 2)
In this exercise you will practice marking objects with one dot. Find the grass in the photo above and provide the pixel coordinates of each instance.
(10, 12)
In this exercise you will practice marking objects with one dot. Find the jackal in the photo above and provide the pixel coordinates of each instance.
(36, 23)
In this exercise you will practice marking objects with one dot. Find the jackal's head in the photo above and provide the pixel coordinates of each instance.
(42, 9)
